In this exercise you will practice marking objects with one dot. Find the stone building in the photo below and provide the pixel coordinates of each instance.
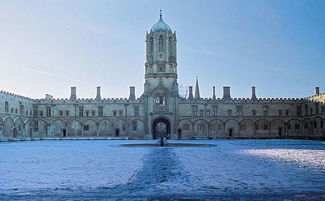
(184, 118)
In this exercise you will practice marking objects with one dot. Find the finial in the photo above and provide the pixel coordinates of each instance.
(160, 13)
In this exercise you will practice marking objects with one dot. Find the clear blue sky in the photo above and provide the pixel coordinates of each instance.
(46, 46)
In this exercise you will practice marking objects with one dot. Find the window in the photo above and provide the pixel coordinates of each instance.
(26, 112)
(21, 108)
(194, 110)
(280, 112)
(265, 126)
(306, 109)
(67, 113)
(306, 125)
(201, 112)
(93, 113)
(12, 110)
(36, 126)
(120, 112)
(200, 127)
(243, 127)
(287, 112)
(16, 111)
(6, 106)
(41, 113)
(298, 110)
(161, 68)
(208, 112)
(48, 111)
(311, 111)
(229, 112)
(86, 127)
(323, 109)
(151, 45)
(101, 111)
(214, 110)
(317, 108)
(161, 43)
(254, 112)
(212, 127)
(186, 127)
(61, 113)
(35, 109)
(239, 110)
(114, 112)
(81, 111)
(136, 110)
(87, 113)
(297, 126)
(315, 124)
(134, 125)
(265, 110)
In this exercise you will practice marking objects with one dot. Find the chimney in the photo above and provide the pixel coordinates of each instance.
(226, 92)
(132, 93)
(190, 96)
(98, 93)
(214, 92)
(317, 91)
(48, 97)
(253, 92)
(73, 95)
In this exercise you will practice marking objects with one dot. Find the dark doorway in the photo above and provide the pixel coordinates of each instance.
(64, 132)
(158, 122)
(280, 131)
(179, 134)
(30, 132)
(14, 133)
(117, 132)
(230, 132)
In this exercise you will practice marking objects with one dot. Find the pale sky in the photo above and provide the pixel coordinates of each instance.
(47, 46)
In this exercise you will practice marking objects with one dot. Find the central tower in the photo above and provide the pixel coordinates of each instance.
(161, 54)
(161, 87)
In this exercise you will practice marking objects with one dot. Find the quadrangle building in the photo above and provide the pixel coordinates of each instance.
(184, 118)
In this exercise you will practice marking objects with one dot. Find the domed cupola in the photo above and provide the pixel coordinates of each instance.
(160, 26)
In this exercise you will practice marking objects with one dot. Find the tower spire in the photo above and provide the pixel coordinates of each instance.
(160, 13)
(197, 90)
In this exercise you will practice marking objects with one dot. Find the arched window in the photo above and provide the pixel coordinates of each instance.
(170, 47)
(151, 45)
(6, 106)
(161, 43)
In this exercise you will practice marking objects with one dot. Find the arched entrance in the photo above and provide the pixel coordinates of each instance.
(160, 125)
(117, 132)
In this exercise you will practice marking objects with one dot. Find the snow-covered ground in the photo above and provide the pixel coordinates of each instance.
(104, 169)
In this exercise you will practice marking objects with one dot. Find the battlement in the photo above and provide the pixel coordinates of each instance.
(15, 95)
(240, 100)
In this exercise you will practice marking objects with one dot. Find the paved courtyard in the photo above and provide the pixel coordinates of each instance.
(104, 170)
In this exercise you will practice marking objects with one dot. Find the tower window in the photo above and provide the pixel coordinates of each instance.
(151, 45)
(161, 43)
(161, 68)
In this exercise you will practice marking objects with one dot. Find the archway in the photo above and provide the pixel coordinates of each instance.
(156, 126)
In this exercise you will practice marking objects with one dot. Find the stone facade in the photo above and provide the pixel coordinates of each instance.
(185, 118)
